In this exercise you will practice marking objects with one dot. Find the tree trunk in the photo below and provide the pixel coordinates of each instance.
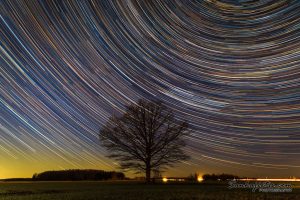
(148, 174)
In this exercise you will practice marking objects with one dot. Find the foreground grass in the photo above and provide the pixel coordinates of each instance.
(131, 190)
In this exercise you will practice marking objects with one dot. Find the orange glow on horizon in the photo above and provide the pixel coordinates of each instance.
(199, 178)
(165, 179)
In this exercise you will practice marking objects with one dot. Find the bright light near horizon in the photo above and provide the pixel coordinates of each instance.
(199, 178)
(165, 179)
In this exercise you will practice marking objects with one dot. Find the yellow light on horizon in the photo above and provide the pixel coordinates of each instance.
(199, 178)
(165, 179)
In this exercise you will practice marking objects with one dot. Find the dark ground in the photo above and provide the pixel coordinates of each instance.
(121, 190)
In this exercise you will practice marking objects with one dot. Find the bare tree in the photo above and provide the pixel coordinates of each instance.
(146, 137)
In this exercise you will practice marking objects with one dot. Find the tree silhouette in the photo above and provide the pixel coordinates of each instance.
(77, 175)
(146, 137)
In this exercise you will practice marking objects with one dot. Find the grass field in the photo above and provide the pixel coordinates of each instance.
(132, 190)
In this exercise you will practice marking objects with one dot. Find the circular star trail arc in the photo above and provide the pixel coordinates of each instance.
(231, 68)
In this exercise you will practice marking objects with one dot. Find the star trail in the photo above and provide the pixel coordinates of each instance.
(230, 68)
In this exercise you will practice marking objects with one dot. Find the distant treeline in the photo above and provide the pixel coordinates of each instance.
(78, 175)
(16, 179)
(218, 177)
(211, 177)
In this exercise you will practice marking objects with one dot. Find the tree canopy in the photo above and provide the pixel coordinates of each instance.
(146, 137)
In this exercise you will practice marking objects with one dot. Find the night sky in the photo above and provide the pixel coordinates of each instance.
(231, 68)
